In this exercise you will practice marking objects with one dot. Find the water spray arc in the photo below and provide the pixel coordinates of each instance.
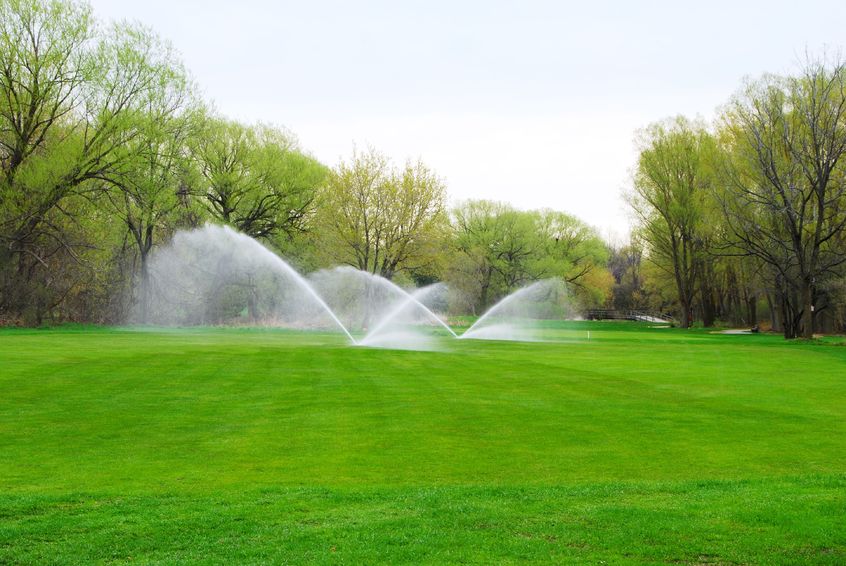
(500, 305)
(411, 299)
(389, 315)
(216, 275)
(514, 317)
(310, 290)
(200, 266)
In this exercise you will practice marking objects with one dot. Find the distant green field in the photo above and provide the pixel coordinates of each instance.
(643, 445)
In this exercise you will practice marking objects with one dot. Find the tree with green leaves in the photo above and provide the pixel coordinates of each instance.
(492, 243)
(498, 249)
(378, 218)
(672, 184)
(71, 97)
(255, 179)
(149, 189)
(570, 249)
(45, 62)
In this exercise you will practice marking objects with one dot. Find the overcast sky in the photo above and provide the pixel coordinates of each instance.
(534, 103)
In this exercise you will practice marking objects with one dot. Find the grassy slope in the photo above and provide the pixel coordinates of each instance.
(251, 445)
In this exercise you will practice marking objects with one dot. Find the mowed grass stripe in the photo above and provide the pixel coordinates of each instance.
(219, 408)
(784, 521)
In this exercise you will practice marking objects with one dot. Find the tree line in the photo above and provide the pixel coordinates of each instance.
(107, 149)
(750, 211)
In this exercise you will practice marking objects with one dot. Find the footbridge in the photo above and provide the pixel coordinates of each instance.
(640, 316)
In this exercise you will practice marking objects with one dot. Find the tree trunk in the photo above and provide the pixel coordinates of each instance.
(752, 310)
(144, 290)
(807, 314)
(685, 314)
(707, 302)
(791, 319)
(775, 318)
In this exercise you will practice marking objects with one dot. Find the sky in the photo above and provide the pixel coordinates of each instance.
(536, 103)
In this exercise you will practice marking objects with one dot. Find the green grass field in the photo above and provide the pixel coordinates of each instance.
(641, 445)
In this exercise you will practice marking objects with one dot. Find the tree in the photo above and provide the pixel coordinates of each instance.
(499, 249)
(44, 62)
(150, 186)
(69, 101)
(569, 249)
(671, 184)
(380, 219)
(624, 264)
(785, 191)
(494, 244)
(255, 178)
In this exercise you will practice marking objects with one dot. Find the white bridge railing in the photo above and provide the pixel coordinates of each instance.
(613, 314)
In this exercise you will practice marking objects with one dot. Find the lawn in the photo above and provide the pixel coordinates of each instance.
(640, 444)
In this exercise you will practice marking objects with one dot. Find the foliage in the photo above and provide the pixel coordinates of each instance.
(378, 218)
(497, 249)
(671, 190)
(756, 207)
(106, 151)
(255, 179)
